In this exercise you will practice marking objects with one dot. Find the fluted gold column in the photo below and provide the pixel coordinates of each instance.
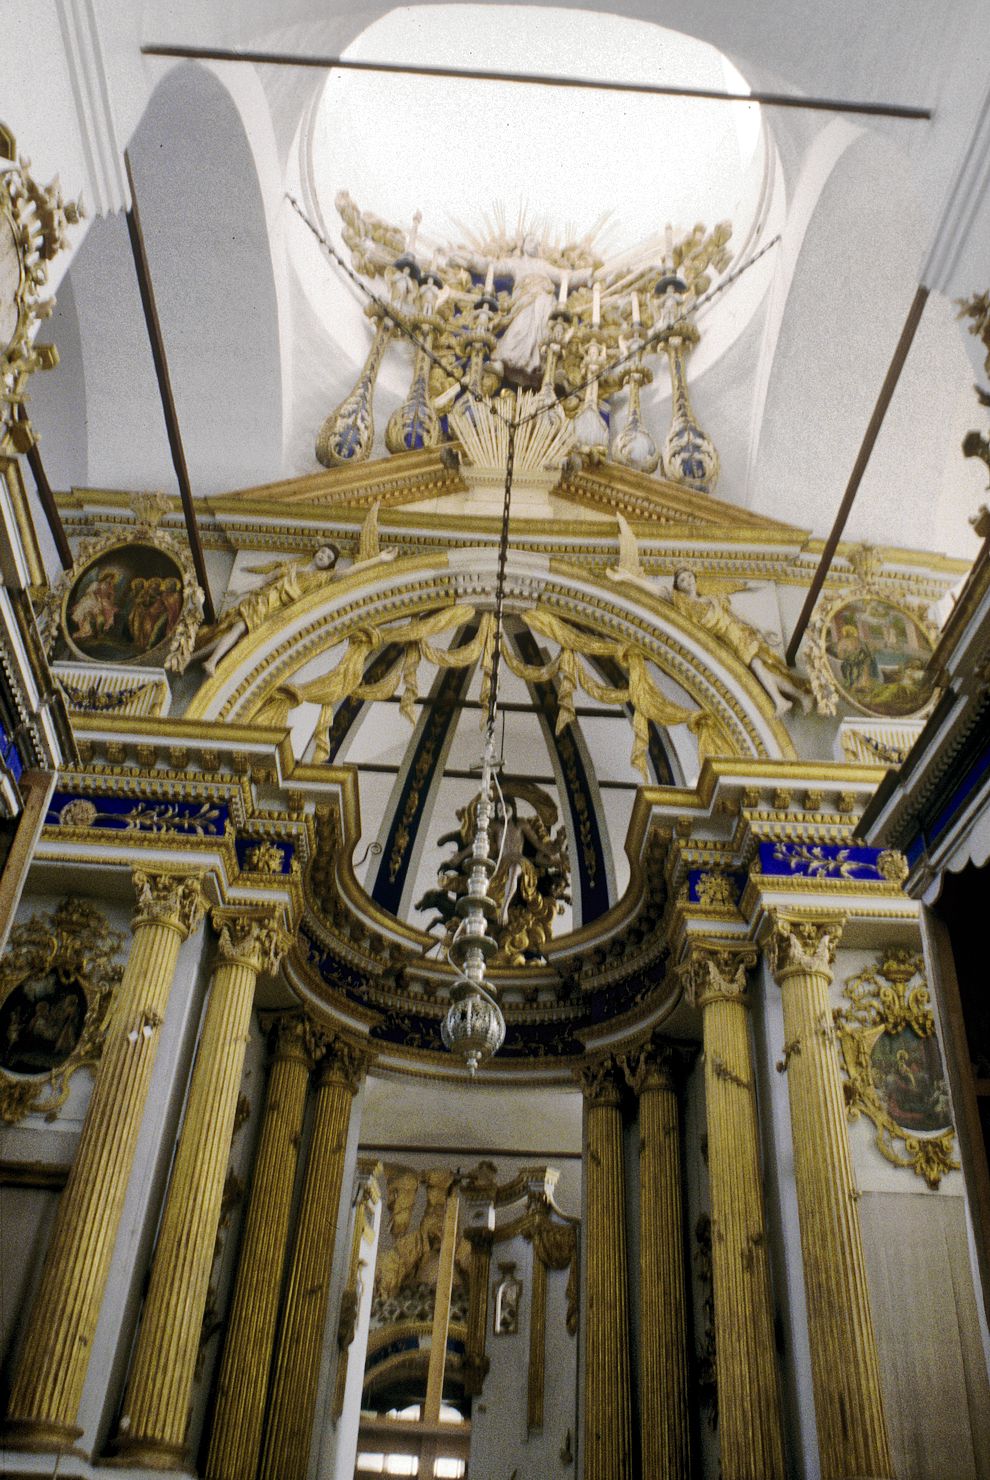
(297, 1359)
(156, 1403)
(852, 1431)
(49, 1380)
(665, 1447)
(607, 1419)
(749, 1415)
(239, 1412)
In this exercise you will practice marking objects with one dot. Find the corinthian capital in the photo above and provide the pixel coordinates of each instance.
(715, 971)
(659, 1063)
(167, 898)
(292, 1035)
(601, 1080)
(802, 946)
(249, 937)
(341, 1062)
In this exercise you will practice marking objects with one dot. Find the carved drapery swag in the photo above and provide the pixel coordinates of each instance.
(648, 704)
(347, 681)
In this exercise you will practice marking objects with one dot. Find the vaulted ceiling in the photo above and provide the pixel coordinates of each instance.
(263, 337)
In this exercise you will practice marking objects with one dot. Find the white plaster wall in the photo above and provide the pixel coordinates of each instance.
(533, 1126)
(340, 1440)
(931, 1359)
(26, 1215)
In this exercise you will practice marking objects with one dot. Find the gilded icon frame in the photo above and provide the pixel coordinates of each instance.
(889, 1047)
(65, 958)
(117, 553)
(871, 648)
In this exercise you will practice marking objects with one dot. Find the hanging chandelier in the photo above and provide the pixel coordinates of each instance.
(474, 1027)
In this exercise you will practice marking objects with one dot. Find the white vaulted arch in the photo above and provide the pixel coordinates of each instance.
(206, 210)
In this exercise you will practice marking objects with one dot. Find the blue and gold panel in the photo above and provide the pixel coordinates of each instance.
(821, 861)
(138, 814)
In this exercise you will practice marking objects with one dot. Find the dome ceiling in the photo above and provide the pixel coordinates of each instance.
(550, 161)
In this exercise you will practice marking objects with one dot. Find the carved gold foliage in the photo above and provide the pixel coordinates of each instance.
(556, 1246)
(264, 858)
(716, 972)
(717, 891)
(170, 899)
(601, 1080)
(50, 961)
(342, 1062)
(892, 1064)
(253, 938)
(799, 945)
(33, 222)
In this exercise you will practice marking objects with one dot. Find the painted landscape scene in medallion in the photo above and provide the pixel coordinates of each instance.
(879, 654)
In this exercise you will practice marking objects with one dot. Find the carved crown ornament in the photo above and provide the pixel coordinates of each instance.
(33, 227)
(893, 1067)
(57, 980)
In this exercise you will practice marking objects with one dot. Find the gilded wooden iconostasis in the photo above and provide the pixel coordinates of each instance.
(254, 867)
(373, 618)
(670, 789)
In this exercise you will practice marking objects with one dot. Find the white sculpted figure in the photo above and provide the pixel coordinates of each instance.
(536, 282)
(750, 647)
(541, 273)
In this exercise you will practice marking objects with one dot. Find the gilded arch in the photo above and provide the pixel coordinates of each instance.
(735, 715)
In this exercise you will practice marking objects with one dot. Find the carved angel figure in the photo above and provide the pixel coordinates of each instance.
(717, 617)
(288, 580)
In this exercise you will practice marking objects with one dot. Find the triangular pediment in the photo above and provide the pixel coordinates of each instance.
(424, 480)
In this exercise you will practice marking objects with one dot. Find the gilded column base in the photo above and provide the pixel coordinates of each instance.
(151, 1454)
(47, 1438)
